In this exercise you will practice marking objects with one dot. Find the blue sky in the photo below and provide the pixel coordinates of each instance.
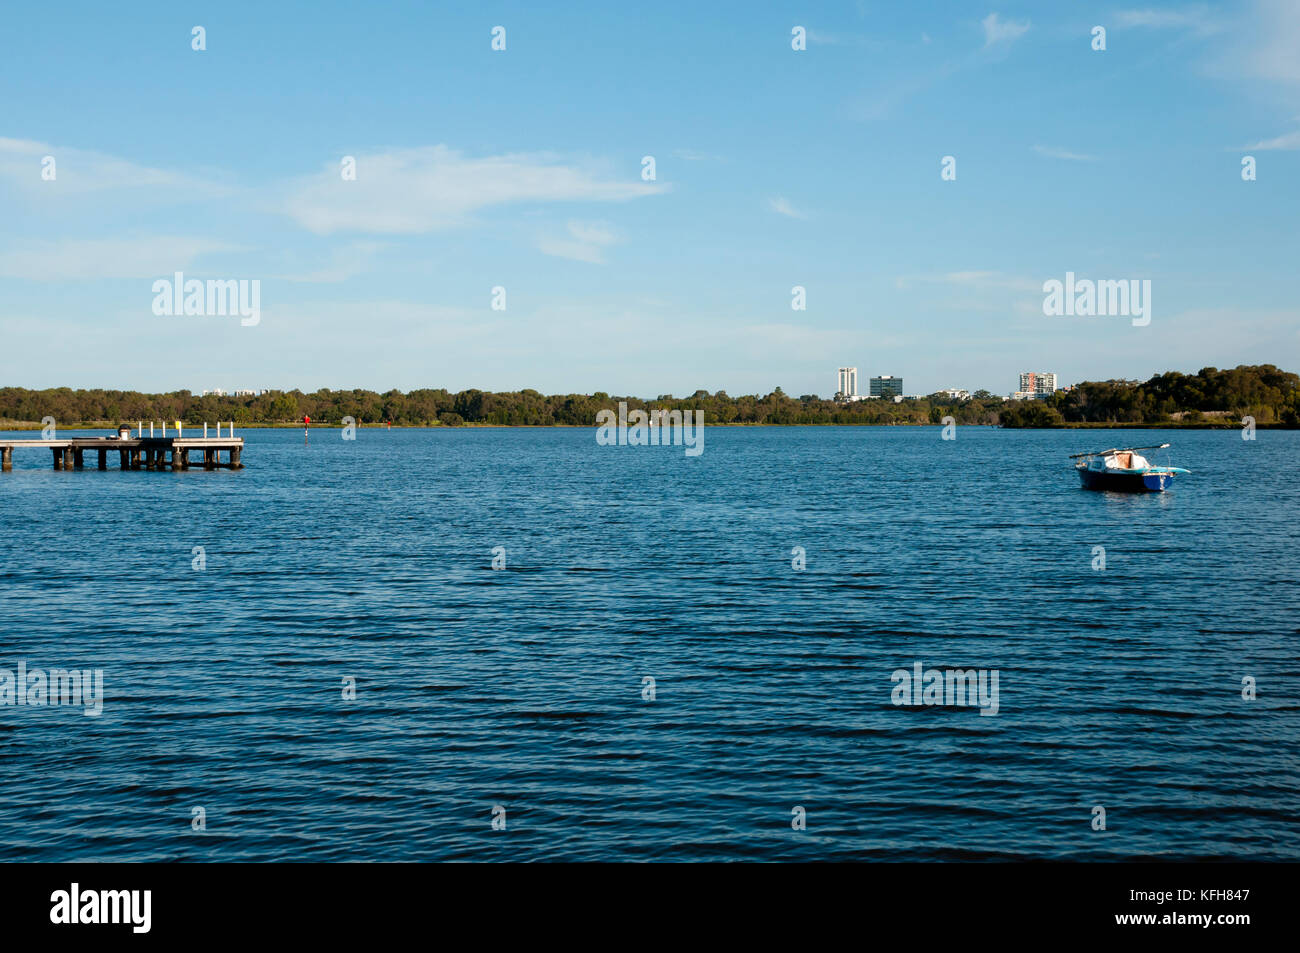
(522, 169)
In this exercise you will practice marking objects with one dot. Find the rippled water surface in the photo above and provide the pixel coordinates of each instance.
(522, 687)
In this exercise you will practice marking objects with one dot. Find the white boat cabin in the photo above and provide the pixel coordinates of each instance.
(1119, 460)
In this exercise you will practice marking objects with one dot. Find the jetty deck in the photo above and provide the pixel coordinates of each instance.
(136, 453)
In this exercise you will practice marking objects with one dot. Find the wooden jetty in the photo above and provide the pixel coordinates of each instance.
(139, 452)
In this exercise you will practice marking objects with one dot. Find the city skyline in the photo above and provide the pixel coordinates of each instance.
(536, 183)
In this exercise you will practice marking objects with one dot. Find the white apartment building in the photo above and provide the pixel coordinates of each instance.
(848, 383)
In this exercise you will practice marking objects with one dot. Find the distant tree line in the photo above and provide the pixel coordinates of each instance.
(443, 408)
(1271, 396)
(1210, 396)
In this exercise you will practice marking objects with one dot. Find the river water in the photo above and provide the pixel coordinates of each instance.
(364, 568)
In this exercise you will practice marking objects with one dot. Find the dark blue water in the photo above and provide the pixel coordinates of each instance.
(522, 687)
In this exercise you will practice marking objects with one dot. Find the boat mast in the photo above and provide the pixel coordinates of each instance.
(1097, 453)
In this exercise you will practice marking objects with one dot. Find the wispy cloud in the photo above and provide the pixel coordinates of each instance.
(976, 291)
(822, 38)
(1052, 152)
(886, 102)
(979, 280)
(998, 31)
(585, 241)
(1196, 19)
(690, 155)
(1270, 51)
(412, 191)
(80, 171)
(81, 259)
(1290, 140)
(992, 279)
(344, 263)
(782, 207)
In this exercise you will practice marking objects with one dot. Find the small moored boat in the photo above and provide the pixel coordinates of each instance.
(1124, 470)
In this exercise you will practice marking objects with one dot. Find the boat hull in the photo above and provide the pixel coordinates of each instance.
(1125, 482)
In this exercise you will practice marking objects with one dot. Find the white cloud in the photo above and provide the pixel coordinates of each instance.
(412, 191)
(343, 263)
(974, 281)
(79, 259)
(79, 171)
(586, 241)
(1290, 140)
(1052, 152)
(1196, 19)
(887, 100)
(783, 207)
(997, 31)
(1273, 43)
(991, 279)
(820, 38)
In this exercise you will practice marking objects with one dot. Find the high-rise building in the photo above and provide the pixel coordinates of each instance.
(848, 386)
(1035, 385)
(886, 385)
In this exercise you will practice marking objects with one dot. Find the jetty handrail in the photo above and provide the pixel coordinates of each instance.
(1097, 453)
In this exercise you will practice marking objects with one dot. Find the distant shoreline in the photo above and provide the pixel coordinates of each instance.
(23, 426)
(1210, 399)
